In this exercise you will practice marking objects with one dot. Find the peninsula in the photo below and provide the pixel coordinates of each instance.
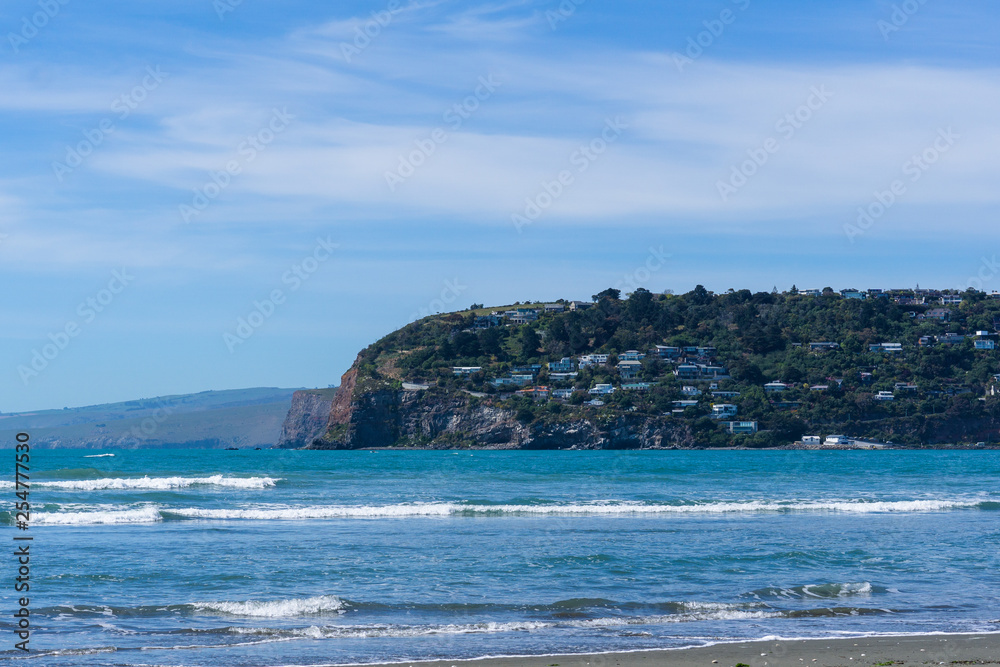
(911, 367)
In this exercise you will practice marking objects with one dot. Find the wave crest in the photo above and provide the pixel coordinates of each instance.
(276, 608)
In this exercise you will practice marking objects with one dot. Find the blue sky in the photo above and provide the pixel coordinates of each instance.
(205, 150)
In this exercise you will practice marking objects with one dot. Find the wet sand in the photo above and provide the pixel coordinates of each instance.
(905, 651)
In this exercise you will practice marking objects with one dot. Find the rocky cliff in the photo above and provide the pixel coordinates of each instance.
(439, 418)
(307, 419)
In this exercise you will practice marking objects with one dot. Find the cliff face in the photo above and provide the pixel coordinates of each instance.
(440, 419)
(307, 418)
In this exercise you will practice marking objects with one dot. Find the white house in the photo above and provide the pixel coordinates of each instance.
(723, 410)
(465, 370)
(810, 440)
(562, 393)
(688, 390)
(837, 440)
(631, 355)
(601, 389)
(884, 396)
(775, 386)
(593, 360)
(636, 386)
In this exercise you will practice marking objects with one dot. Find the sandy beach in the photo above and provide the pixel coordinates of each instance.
(980, 649)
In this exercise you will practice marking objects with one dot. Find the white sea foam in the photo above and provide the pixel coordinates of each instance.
(321, 512)
(276, 608)
(496, 627)
(840, 590)
(148, 514)
(160, 483)
(96, 456)
(592, 509)
(153, 513)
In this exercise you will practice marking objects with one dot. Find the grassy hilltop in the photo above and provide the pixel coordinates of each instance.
(931, 389)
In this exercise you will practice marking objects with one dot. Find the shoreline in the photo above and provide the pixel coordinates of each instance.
(869, 651)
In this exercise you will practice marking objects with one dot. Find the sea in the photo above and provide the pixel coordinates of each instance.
(270, 557)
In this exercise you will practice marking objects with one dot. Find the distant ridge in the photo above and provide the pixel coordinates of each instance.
(209, 419)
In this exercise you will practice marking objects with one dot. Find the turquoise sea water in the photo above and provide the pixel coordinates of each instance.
(197, 557)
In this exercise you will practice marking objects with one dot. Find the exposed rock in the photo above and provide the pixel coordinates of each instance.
(438, 418)
(307, 419)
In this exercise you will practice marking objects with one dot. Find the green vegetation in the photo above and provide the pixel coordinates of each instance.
(757, 338)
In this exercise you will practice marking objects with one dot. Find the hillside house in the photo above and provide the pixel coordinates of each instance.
(939, 314)
(631, 355)
(513, 380)
(775, 386)
(593, 360)
(688, 390)
(687, 372)
(487, 321)
(725, 394)
(886, 347)
(636, 386)
(629, 369)
(666, 352)
(601, 389)
(740, 428)
(565, 365)
(723, 410)
(884, 396)
(985, 344)
(465, 370)
(535, 393)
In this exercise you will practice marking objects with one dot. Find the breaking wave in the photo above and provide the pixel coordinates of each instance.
(156, 483)
(154, 513)
(276, 608)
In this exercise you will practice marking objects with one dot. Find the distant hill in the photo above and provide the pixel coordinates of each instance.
(210, 419)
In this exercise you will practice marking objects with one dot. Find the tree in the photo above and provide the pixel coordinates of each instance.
(528, 343)
(699, 296)
(610, 293)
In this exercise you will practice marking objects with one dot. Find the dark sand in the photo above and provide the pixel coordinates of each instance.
(920, 651)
